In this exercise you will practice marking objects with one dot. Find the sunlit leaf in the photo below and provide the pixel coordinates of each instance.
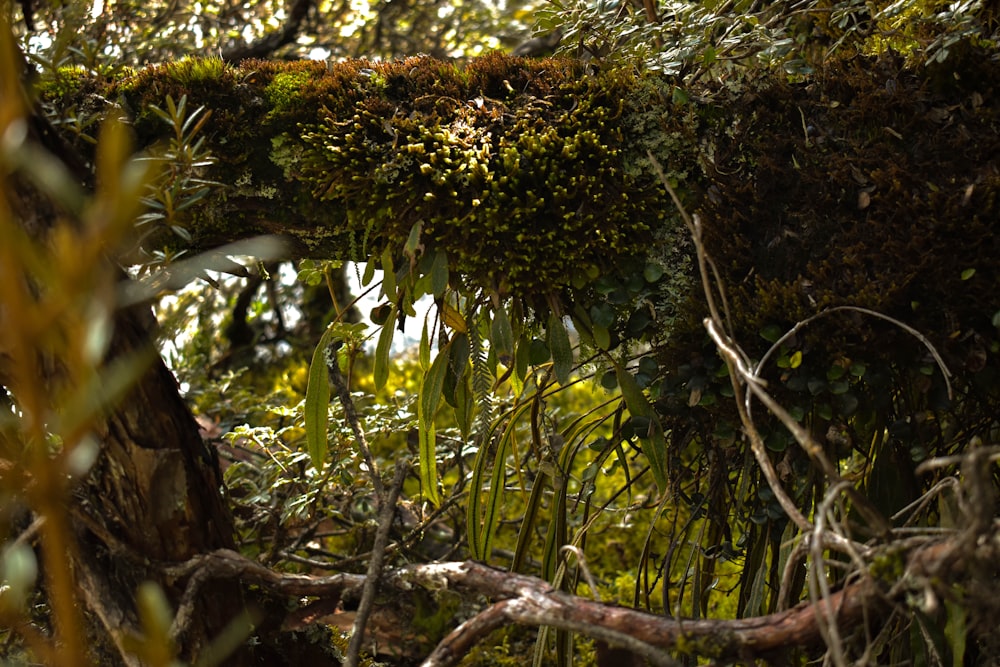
(452, 318)
(388, 275)
(413, 242)
(317, 401)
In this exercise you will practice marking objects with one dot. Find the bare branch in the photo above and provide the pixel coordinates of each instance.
(385, 517)
(267, 45)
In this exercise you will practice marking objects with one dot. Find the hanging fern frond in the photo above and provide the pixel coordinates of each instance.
(482, 377)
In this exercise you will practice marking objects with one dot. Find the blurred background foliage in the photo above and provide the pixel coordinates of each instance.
(536, 446)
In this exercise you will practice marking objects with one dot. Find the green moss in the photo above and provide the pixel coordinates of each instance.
(197, 71)
(520, 191)
(285, 90)
(65, 82)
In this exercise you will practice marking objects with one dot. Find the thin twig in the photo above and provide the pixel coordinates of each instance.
(386, 515)
(735, 363)
(819, 587)
(339, 384)
(735, 359)
(865, 311)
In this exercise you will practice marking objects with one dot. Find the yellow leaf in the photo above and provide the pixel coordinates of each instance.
(453, 319)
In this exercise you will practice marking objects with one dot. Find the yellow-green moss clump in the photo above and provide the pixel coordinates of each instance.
(522, 183)
(528, 173)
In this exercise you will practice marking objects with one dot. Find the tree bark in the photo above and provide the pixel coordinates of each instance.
(154, 494)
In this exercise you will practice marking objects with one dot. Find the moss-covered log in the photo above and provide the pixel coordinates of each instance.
(527, 173)
(872, 182)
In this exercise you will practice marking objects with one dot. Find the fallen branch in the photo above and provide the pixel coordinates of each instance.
(932, 565)
(531, 601)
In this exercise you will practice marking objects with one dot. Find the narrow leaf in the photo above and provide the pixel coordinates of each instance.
(653, 443)
(433, 385)
(501, 335)
(318, 399)
(424, 356)
(559, 346)
(382, 349)
(369, 273)
(431, 388)
(521, 356)
(482, 520)
(388, 275)
(439, 274)
(413, 241)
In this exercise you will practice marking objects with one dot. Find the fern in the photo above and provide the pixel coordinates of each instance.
(482, 377)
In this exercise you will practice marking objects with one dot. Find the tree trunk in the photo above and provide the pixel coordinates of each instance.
(154, 494)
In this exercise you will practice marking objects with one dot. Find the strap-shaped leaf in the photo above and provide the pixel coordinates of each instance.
(317, 403)
(382, 349)
(653, 443)
(424, 351)
(501, 334)
(431, 390)
(439, 274)
(482, 518)
(559, 346)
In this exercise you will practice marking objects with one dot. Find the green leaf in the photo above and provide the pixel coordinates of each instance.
(521, 363)
(602, 337)
(431, 389)
(424, 355)
(439, 274)
(380, 313)
(381, 372)
(771, 333)
(527, 534)
(482, 519)
(538, 352)
(956, 632)
(388, 275)
(501, 335)
(603, 315)
(464, 405)
(453, 319)
(654, 445)
(413, 241)
(968, 273)
(559, 346)
(369, 273)
(317, 402)
(652, 272)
